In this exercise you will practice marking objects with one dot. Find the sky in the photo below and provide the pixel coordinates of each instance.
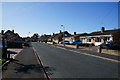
(60, 0)
(27, 18)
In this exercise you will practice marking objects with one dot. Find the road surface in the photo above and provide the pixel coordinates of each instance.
(60, 63)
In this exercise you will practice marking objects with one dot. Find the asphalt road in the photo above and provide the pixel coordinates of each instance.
(60, 63)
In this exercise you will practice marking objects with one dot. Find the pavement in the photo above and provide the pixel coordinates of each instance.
(61, 62)
(17, 50)
(87, 51)
(24, 66)
(90, 48)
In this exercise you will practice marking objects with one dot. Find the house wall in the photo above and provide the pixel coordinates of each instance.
(55, 40)
(71, 39)
(99, 42)
(116, 37)
(101, 39)
(77, 38)
(93, 40)
(83, 40)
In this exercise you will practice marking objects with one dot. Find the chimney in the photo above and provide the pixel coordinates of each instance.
(13, 31)
(53, 34)
(74, 33)
(2, 32)
(102, 29)
(60, 31)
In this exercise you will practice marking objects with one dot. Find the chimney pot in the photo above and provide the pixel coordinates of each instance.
(60, 31)
(13, 31)
(74, 33)
(102, 29)
(53, 34)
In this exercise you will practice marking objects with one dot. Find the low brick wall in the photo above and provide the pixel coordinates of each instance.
(95, 49)
(71, 46)
(111, 52)
(49, 42)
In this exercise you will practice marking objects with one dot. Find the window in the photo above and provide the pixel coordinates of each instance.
(65, 35)
(108, 38)
(97, 40)
(8, 34)
(88, 40)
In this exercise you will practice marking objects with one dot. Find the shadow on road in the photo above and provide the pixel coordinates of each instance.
(22, 68)
(49, 70)
(27, 68)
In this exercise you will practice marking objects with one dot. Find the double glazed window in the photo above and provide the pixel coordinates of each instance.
(88, 40)
(98, 39)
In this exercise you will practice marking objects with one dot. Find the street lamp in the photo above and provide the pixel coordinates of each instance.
(28, 34)
(63, 34)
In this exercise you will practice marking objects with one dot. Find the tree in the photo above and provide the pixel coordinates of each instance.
(35, 37)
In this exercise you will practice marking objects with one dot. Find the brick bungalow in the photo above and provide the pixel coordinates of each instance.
(11, 36)
(59, 36)
(75, 36)
(99, 37)
(44, 38)
(50, 39)
(13, 39)
(70, 38)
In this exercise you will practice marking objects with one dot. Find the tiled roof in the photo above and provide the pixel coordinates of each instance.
(53, 36)
(106, 32)
(44, 37)
(70, 36)
(82, 34)
(59, 35)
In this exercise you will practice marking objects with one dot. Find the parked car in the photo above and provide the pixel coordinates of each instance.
(76, 42)
(110, 45)
(106, 43)
(64, 42)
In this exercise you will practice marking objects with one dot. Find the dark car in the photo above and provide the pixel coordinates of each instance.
(110, 45)
(106, 43)
(76, 42)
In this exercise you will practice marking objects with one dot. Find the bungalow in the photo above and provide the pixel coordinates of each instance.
(99, 37)
(75, 36)
(27, 39)
(11, 36)
(13, 39)
(34, 37)
(70, 38)
(82, 37)
(44, 38)
(59, 36)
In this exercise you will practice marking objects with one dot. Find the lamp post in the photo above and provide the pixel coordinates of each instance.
(63, 34)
